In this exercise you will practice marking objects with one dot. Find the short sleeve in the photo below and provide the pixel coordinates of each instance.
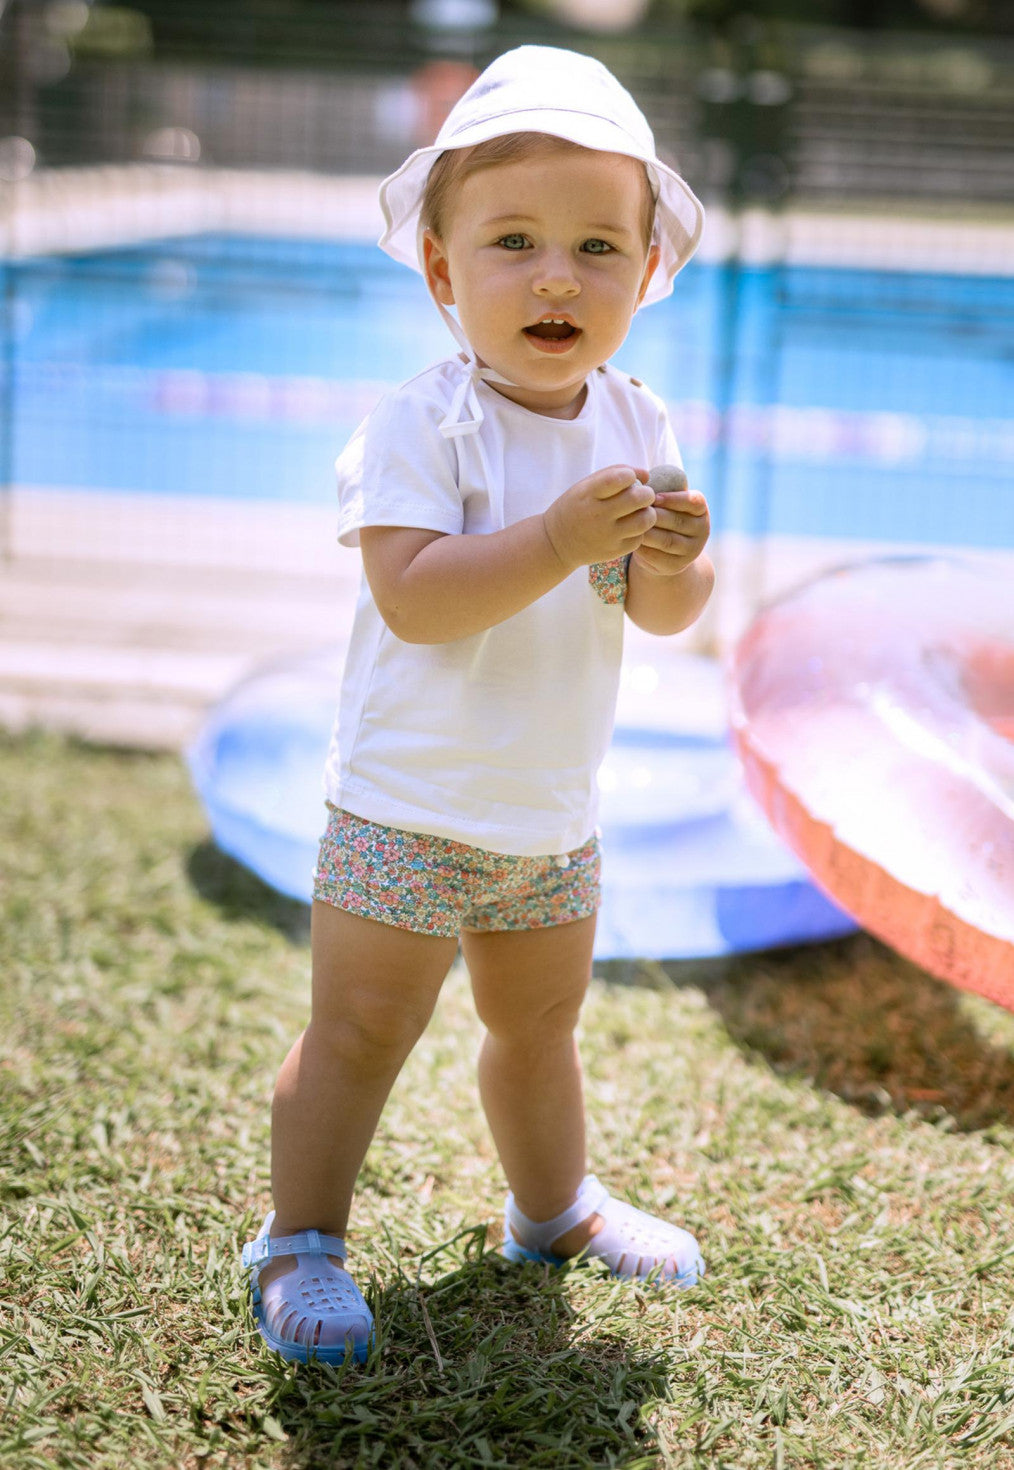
(645, 418)
(399, 470)
(667, 450)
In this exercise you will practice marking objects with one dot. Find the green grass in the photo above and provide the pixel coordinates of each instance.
(836, 1126)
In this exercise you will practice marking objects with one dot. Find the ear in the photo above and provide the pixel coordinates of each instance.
(654, 256)
(436, 268)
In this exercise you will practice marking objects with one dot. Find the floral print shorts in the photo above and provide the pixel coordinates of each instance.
(433, 885)
(610, 578)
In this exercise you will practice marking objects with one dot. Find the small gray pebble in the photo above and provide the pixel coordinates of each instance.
(666, 478)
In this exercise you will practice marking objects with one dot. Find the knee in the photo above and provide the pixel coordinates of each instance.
(375, 1032)
(553, 1020)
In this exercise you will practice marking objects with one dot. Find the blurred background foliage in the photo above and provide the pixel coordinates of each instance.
(787, 98)
(192, 306)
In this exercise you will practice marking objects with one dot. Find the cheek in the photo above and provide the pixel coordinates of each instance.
(620, 298)
(486, 300)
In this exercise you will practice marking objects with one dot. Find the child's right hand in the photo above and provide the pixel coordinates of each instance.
(602, 517)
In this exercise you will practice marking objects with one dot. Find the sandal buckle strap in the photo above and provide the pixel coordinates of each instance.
(541, 1234)
(306, 1243)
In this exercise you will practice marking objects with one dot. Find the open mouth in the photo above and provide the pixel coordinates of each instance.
(552, 329)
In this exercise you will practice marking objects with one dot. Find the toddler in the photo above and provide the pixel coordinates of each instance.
(501, 504)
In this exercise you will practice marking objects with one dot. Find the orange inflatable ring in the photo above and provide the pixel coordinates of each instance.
(873, 712)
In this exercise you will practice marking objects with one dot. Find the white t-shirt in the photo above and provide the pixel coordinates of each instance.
(494, 740)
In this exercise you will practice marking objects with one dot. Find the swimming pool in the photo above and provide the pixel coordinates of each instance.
(810, 401)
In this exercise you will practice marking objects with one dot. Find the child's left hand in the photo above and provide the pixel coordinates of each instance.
(679, 535)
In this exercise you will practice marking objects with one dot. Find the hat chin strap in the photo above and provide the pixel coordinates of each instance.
(465, 413)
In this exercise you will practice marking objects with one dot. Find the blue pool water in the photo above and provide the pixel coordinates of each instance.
(847, 403)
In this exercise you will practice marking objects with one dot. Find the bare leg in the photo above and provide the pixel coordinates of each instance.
(373, 992)
(528, 987)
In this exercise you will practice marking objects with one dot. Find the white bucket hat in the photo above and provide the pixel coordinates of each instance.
(544, 89)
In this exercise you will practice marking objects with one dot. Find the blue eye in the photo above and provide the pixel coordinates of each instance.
(597, 247)
(512, 242)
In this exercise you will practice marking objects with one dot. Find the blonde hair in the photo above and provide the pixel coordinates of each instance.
(454, 166)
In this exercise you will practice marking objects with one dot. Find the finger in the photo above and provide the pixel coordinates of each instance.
(616, 479)
(693, 527)
(633, 502)
(670, 543)
(638, 495)
(636, 525)
(692, 502)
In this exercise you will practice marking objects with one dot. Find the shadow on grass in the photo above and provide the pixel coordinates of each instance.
(488, 1365)
(240, 894)
(866, 1025)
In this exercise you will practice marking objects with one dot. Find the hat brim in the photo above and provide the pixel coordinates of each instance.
(679, 215)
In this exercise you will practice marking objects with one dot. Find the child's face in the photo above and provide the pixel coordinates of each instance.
(559, 235)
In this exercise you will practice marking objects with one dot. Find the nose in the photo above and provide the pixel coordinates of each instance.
(554, 274)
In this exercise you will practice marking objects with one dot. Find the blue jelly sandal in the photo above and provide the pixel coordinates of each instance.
(631, 1243)
(314, 1311)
